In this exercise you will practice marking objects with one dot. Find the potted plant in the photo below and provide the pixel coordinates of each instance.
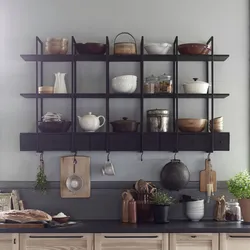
(161, 202)
(239, 186)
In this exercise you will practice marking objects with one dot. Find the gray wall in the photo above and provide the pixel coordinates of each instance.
(92, 20)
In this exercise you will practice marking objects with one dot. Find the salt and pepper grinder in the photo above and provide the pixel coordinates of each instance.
(132, 214)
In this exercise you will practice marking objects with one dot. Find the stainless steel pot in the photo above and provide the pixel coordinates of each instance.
(157, 120)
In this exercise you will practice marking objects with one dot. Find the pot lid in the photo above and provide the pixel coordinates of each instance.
(196, 80)
(158, 112)
(123, 121)
(151, 78)
(165, 77)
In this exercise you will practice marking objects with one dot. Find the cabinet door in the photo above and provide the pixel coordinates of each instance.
(56, 241)
(132, 241)
(235, 241)
(194, 242)
(9, 241)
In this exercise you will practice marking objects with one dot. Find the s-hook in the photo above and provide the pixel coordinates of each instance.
(41, 157)
(108, 157)
(75, 161)
(208, 157)
(175, 155)
(141, 156)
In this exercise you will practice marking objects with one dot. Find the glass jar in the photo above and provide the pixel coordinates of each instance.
(233, 211)
(150, 83)
(165, 83)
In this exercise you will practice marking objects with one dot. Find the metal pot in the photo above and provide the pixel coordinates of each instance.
(157, 120)
(125, 125)
(175, 175)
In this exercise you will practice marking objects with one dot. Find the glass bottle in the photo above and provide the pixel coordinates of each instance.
(233, 211)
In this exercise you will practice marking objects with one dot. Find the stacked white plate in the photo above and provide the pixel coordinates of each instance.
(195, 210)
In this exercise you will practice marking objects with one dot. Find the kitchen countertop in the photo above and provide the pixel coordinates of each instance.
(109, 226)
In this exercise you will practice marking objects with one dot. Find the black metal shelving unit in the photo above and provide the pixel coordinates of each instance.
(140, 141)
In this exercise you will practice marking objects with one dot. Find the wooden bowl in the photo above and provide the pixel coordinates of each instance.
(46, 90)
(217, 120)
(61, 220)
(191, 125)
(194, 49)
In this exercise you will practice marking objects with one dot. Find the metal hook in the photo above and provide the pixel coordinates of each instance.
(175, 155)
(108, 156)
(208, 156)
(75, 161)
(141, 156)
(41, 157)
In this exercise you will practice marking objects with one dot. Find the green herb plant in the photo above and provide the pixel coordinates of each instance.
(162, 198)
(239, 185)
(41, 178)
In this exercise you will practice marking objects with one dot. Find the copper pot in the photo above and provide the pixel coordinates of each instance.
(125, 125)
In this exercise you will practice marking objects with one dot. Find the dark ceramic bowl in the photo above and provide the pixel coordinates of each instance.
(193, 49)
(61, 220)
(54, 127)
(91, 48)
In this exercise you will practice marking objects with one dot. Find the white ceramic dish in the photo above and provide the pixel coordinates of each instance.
(195, 216)
(157, 48)
(196, 87)
(124, 84)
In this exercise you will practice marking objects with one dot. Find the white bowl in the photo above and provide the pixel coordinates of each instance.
(195, 216)
(157, 48)
(124, 84)
(195, 88)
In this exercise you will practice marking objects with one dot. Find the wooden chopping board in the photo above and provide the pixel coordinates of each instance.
(208, 176)
(19, 225)
(82, 169)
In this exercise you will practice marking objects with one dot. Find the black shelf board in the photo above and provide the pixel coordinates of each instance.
(122, 58)
(118, 95)
(48, 58)
(124, 141)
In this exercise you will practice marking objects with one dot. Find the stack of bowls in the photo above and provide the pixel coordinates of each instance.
(195, 210)
(56, 46)
(217, 124)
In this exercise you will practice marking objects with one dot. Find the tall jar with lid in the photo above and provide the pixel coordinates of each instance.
(165, 83)
(233, 211)
(150, 84)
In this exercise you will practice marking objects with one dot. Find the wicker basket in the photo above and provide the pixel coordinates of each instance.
(125, 48)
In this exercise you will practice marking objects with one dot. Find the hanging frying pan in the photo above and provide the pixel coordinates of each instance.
(175, 175)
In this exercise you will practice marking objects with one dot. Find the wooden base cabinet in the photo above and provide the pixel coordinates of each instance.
(131, 241)
(235, 241)
(9, 241)
(56, 242)
(194, 242)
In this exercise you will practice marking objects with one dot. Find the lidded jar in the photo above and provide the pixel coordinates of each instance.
(150, 84)
(165, 83)
(233, 211)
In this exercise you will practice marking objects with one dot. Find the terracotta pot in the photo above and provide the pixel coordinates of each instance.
(245, 209)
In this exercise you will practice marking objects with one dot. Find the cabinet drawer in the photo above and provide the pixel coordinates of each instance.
(131, 241)
(234, 241)
(56, 241)
(194, 236)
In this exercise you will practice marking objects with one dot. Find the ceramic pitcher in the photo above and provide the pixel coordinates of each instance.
(60, 85)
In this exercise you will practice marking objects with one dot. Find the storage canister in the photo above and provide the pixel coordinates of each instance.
(150, 84)
(157, 120)
(233, 211)
(165, 83)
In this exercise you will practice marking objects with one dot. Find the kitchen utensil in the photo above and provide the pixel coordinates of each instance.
(209, 191)
(208, 176)
(91, 48)
(125, 125)
(124, 84)
(220, 209)
(108, 168)
(79, 180)
(62, 219)
(157, 48)
(90, 122)
(175, 175)
(54, 127)
(60, 85)
(194, 49)
(125, 48)
(46, 90)
(196, 87)
(191, 125)
(157, 120)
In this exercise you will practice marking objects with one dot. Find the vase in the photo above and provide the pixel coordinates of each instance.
(60, 85)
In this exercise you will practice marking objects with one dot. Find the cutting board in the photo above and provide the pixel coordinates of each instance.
(19, 225)
(82, 169)
(208, 176)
